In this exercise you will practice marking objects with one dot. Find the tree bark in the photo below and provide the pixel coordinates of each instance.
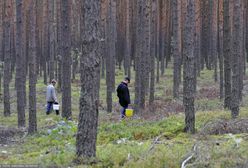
(227, 54)
(66, 59)
(220, 47)
(176, 47)
(51, 10)
(45, 41)
(32, 70)
(59, 47)
(1, 42)
(141, 56)
(214, 41)
(205, 47)
(189, 75)
(237, 42)
(242, 51)
(161, 36)
(1, 30)
(127, 58)
(20, 71)
(111, 53)
(158, 34)
(7, 56)
(152, 50)
(90, 63)
(103, 13)
(145, 61)
(120, 32)
(75, 58)
(246, 33)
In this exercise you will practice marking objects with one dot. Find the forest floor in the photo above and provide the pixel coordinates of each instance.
(155, 139)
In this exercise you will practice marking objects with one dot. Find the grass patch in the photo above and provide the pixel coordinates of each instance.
(130, 143)
(127, 143)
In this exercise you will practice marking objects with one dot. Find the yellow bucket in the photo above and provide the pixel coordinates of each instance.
(129, 112)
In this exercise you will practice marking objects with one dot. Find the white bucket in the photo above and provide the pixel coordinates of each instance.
(55, 106)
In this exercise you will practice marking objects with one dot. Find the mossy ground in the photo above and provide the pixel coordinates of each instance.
(154, 141)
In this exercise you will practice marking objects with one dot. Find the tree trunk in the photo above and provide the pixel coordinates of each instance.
(205, 49)
(1, 31)
(220, 47)
(141, 56)
(160, 39)
(237, 42)
(246, 33)
(188, 69)
(32, 70)
(214, 33)
(45, 41)
(145, 53)
(121, 31)
(103, 68)
(138, 48)
(20, 71)
(1, 43)
(227, 54)
(74, 37)
(7, 57)
(90, 63)
(242, 51)
(13, 47)
(75, 57)
(59, 73)
(157, 72)
(51, 39)
(152, 50)
(38, 36)
(103, 13)
(197, 51)
(158, 51)
(66, 59)
(110, 59)
(59, 47)
(127, 58)
(176, 47)
(167, 23)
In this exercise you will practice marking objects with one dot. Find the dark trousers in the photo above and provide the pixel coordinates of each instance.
(123, 110)
(50, 106)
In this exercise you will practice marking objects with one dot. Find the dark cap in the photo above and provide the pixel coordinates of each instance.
(127, 79)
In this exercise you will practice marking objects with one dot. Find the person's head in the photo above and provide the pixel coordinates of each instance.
(127, 80)
(53, 82)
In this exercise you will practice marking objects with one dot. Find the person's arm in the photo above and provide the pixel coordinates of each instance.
(127, 96)
(54, 95)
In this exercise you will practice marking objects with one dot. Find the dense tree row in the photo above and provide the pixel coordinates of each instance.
(62, 38)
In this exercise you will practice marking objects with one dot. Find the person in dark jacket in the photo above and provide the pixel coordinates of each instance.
(123, 95)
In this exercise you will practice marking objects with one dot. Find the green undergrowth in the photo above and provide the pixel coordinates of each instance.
(129, 143)
(208, 105)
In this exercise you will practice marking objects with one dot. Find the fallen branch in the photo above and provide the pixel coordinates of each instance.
(189, 158)
(155, 141)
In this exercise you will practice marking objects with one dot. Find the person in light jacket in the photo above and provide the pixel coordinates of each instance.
(51, 97)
